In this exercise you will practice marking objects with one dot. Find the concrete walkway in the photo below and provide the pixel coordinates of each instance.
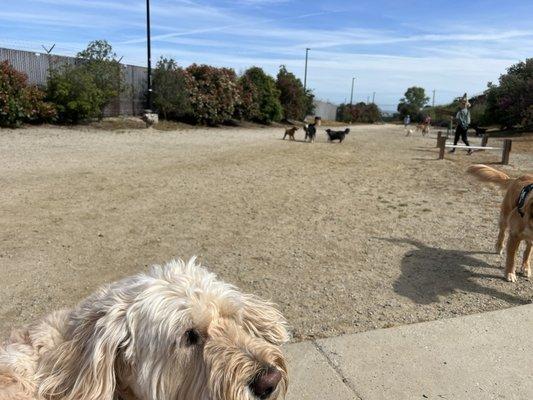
(484, 356)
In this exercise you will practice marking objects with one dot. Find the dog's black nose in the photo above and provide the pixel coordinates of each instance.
(266, 383)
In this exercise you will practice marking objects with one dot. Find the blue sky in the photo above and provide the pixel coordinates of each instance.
(450, 46)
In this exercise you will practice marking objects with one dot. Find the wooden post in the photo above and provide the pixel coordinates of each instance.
(485, 139)
(439, 135)
(506, 151)
(442, 147)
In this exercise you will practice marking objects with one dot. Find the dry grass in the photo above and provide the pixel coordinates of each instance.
(370, 233)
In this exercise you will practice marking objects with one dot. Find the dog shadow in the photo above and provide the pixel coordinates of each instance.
(428, 273)
(295, 140)
(424, 159)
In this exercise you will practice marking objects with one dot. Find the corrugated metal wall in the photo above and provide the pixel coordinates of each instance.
(37, 66)
(325, 110)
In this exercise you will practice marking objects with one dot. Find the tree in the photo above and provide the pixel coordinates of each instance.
(259, 97)
(412, 103)
(101, 62)
(213, 93)
(510, 102)
(296, 101)
(171, 98)
(83, 89)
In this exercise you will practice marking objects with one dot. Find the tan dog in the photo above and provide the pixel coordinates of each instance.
(176, 333)
(290, 132)
(516, 214)
(423, 128)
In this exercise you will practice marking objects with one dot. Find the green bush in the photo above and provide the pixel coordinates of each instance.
(478, 114)
(528, 117)
(20, 102)
(213, 94)
(509, 103)
(296, 101)
(75, 94)
(170, 83)
(259, 97)
(82, 90)
(360, 112)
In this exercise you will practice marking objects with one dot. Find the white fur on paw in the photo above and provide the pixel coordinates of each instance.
(511, 277)
(526, 271)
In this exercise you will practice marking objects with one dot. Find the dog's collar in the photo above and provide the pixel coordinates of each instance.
(522, 198)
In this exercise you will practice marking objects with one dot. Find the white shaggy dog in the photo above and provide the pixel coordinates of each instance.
(176, 333)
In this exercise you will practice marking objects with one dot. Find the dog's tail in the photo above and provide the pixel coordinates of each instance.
(487, 174)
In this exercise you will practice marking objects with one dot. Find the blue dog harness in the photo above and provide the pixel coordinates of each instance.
(522, 198)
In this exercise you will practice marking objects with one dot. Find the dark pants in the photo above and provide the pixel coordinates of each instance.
(461, 132)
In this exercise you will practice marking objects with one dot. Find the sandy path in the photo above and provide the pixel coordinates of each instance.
(371, 233)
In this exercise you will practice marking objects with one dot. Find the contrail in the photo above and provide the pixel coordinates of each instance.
(222, 28)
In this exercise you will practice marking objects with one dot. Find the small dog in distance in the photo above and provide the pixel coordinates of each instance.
(310, 130)
(337, 135)
(290, 132)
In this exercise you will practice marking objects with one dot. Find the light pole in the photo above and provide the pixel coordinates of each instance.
(373, 97)
(351, 95)
(149, 56)
(305, 73)
(433, 102)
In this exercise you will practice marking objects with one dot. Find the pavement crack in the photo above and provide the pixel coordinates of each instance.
(338, 371)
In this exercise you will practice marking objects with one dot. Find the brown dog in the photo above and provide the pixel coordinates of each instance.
(424, 128)
(290, 132)
(516, 213)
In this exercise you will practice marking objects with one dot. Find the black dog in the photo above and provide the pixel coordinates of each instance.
(337, 135)
(310, 130)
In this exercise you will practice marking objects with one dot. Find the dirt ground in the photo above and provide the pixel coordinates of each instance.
(372, 233)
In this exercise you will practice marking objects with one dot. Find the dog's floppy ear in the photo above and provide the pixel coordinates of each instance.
(263, 320)
(83, 367)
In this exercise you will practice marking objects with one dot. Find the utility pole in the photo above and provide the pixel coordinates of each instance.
(373, 97)
(367, 99)
(351, 95)
(433, 98)
(149, 56)
(305, 73)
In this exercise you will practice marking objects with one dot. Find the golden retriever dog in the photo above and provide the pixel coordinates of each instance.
(516, 214)
(290, 132)
(174, 333)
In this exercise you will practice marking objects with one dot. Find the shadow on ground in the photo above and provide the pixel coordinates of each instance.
(429, 272)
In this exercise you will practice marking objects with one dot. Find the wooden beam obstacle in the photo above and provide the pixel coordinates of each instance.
(506, 149)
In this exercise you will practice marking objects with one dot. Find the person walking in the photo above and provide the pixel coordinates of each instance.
(463, 121)
(406, 121)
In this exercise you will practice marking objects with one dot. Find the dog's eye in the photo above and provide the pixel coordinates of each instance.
(192, 337)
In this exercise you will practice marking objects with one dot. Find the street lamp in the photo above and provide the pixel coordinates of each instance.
(149, 56)
(351, 96)
(305, 73)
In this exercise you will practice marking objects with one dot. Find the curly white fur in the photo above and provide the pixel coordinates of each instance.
(132, 340)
